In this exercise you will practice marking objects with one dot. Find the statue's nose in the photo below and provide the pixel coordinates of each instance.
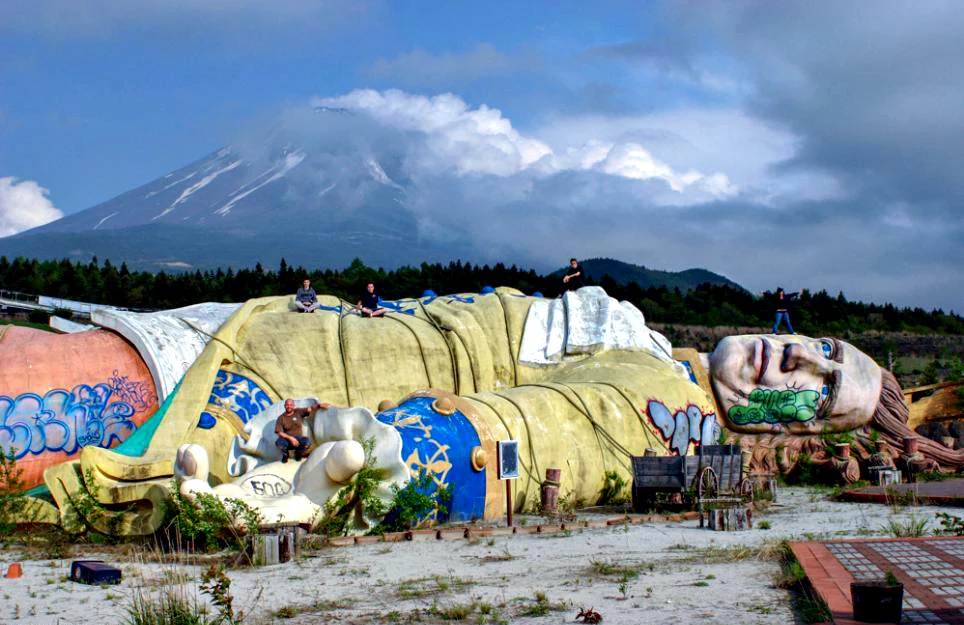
(797, 357)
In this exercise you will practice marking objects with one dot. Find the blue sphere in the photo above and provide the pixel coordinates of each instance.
(537, 294)
(429, 293)
(487, 289)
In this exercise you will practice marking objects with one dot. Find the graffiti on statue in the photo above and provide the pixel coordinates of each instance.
(138, 394)
(266, 485)
(773, 406)
(62, 420)
(683, 426)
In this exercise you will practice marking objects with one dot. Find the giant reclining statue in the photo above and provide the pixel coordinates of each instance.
(580, 382)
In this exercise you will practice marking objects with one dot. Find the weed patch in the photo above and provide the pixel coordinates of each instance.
(950, 524)
(803, 600)
(429, 586)
(12, 500)
(208, 523)
(541, 606)
(915, 526)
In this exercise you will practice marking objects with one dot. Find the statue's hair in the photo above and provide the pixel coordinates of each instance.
(891, 416)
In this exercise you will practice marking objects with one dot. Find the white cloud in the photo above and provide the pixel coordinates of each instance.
(467, 141)
(745, 152)
(24, 205)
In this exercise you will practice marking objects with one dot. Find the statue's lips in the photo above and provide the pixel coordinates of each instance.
(761, 359)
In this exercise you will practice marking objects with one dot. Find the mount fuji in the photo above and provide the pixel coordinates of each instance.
(256, 201)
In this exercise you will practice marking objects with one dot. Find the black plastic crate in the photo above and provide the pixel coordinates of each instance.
(94, 572)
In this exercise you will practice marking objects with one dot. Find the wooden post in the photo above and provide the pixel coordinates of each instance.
(508, 500)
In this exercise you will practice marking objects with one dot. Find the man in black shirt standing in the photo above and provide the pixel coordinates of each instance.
(575, 277)
(368, 304)
(781, 305)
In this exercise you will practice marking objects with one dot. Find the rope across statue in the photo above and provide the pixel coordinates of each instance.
(581, 382)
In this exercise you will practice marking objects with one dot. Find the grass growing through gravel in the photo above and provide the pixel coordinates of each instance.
(768, 551)
(315, 607)
(607, 568)
(540, 605)
(915, 526)
(505, 556)
(803, 600)
(428, 586)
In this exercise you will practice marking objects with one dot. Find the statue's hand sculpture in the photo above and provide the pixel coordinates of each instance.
(296, 492)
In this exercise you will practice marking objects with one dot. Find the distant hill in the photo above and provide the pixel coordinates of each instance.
(624, 273)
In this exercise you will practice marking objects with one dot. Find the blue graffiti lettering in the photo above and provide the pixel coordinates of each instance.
(66, 421)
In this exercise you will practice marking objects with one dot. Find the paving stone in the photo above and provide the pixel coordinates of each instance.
(930, 569)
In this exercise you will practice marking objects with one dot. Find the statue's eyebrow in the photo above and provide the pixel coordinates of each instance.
(837, 350)
(826, 408)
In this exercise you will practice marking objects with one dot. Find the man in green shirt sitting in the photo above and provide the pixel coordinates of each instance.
(290, 429)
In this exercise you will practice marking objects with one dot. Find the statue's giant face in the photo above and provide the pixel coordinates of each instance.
(793, 384)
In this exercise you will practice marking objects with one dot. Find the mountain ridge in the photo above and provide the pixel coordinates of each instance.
(624, 273)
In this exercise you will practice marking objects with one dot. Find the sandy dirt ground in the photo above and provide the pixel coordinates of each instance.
(653, 573)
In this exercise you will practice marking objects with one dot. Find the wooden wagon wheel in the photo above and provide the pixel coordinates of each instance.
(746, 489)
(707, 484)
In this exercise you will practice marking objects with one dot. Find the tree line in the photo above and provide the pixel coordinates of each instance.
(708, 304)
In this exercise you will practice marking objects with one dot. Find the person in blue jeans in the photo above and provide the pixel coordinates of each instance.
(781, 303)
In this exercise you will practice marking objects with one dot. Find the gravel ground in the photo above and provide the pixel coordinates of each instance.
(653, 573)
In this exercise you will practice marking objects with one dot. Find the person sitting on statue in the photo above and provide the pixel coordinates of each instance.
(306, 300)
(368, 303)
(290, 429)
(575, 277)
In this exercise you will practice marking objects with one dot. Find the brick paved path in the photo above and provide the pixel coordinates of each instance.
(931, 569)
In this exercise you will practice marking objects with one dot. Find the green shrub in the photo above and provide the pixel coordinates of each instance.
(39, 316)
(208, 523)
(216, 584)
(12, 500)
(418, 501)
(807, 605)
(96, 518)
(831, 439)
(612, 489)
(361, 491)
(171, 606)
(914, 527)
(806, 473)
(950, 524)
(63, 313)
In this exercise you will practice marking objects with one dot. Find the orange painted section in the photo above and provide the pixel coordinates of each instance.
(62, 392)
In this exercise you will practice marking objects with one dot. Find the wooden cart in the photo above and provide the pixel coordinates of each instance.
(714, 471)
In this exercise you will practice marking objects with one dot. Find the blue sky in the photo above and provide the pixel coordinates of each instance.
(813, 144)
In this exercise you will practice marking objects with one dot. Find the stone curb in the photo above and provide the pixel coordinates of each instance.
(470, 532)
